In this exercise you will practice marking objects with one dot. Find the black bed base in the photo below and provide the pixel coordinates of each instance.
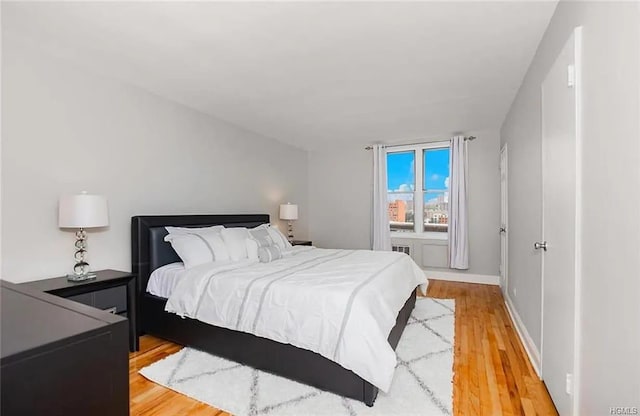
(274, 357)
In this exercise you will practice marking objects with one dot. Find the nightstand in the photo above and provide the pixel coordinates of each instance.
(301, 243)
(111, 290)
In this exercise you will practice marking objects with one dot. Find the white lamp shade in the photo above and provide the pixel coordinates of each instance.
(83, 211)
(288, 212)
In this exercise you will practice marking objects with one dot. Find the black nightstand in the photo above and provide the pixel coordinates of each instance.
(301, 243)
(106, 283)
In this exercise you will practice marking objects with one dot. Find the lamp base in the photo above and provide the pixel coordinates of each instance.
(81, 277)
(290, 231)
(81, 268)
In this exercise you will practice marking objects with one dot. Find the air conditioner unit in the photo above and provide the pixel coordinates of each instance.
(402, 249)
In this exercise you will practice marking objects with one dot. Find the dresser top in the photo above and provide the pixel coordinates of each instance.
(32, 320)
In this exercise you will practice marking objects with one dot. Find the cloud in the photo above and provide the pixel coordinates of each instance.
(405, 188)
(435, 177)
(446, 182)
(439, 199)
(402, 188)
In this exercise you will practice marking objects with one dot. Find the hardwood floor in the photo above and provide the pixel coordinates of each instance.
(492, 374)
(148, 398)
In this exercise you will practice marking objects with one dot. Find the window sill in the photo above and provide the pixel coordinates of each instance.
(421, 236)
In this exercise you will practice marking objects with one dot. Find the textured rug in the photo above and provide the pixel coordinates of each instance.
(422, 383)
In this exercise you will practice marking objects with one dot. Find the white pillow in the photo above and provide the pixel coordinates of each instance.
(262, 246)
(280, 240)
(196, 249)
(188, 230)
(261, 236)
(234, 239)
(214, 239)
(252, 249)
(269, 253)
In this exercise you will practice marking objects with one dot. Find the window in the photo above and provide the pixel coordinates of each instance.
(418, 199)
(435, 186)
(401, 180)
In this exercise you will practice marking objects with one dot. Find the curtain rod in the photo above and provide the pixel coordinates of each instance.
(468, 138)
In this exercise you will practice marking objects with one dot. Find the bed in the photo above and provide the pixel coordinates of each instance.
(150, 252)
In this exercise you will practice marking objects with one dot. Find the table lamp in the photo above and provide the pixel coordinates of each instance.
(80, 212)
(289, 212)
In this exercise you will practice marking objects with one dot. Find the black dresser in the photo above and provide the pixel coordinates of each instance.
(111, 290)
(60, 357)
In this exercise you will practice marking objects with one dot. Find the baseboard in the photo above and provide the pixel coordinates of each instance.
(485, 279)
(525, 338)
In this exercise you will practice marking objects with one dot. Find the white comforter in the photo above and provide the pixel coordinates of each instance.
(340, 304)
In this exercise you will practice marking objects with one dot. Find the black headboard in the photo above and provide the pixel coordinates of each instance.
(149, 250)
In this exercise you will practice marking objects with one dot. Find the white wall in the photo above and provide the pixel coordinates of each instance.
(65, 130)
(340, 186)
(610, 313)
(1, 59)
(340, 183)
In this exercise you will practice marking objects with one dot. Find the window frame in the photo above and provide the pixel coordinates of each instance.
(419, 191)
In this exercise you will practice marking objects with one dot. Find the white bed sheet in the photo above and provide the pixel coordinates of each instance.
(164, 279)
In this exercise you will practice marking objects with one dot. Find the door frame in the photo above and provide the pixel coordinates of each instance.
(504, 202)
(578, 77)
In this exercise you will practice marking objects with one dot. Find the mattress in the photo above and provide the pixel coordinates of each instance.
(164, 279)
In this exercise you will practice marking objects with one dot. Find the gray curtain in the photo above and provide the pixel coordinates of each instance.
(458, 218)
(380, 226)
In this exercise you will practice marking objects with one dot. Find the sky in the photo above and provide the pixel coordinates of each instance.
(400, 170)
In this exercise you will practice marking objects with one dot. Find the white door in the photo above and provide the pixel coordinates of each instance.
(558, 246)
(504, 212)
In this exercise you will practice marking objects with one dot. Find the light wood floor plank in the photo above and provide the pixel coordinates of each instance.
(492, 373)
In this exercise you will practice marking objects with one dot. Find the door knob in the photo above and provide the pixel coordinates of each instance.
(539, 246)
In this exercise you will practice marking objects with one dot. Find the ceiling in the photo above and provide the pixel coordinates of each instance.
(311, 74)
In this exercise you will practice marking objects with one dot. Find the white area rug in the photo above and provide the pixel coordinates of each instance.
(422, 384)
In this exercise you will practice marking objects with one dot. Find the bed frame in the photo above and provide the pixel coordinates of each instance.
(150, 251)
